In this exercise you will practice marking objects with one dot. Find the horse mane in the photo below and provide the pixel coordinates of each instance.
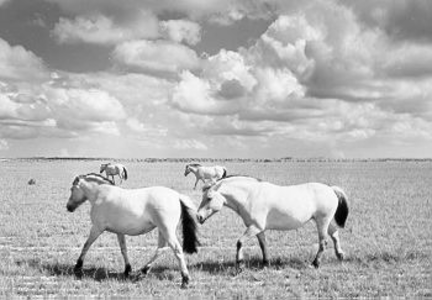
(239, 175)
(195, 165)
(100, 177)
(206, 187)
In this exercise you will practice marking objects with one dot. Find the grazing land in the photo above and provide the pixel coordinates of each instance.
(387, 239)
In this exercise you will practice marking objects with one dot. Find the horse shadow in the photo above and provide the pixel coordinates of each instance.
(96, 273)
(254, 264)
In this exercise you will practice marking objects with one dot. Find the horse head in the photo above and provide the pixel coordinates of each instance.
(103, 167)
(77, 196)
(212, 202)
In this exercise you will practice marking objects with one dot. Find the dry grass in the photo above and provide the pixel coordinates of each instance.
(388, 239)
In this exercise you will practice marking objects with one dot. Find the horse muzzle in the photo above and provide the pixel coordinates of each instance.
(201, 219)
(70, 208)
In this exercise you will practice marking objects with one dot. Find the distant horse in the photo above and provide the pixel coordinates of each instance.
(114, 169)
(135, 212)
(205, 173)
(264, 206)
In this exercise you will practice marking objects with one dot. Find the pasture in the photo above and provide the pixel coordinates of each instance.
(387, 239)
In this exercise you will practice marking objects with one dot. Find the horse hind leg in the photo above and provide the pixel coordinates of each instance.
(263, 245)
(334, 234)
(159, 251)
(322, 226)
(122, 242)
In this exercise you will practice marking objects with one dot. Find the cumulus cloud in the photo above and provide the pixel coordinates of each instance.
(17, 63)
(100, 29)
(181, 30)
(156, 56)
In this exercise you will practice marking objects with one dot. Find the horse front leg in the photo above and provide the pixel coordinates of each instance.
(196, 182)
(250, 231)
(94, 234)
(122, 242)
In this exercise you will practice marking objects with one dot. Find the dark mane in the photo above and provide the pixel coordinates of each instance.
(194, 165)
(208, 186)
(107, 181)
(239, 175)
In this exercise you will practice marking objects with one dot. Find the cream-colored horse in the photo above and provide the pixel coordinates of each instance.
(205, 173)
(111, 169)
(136, 212)
(265, 206)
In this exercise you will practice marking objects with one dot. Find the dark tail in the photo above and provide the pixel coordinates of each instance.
(125, 174)
(342, 210)
(190, 238)
(224, 173)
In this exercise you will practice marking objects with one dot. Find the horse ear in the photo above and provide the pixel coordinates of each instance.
(76, 180)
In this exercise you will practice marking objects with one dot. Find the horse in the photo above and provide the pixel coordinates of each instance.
(205, 173)
(266, 206)
(136, 212)
(114, 169)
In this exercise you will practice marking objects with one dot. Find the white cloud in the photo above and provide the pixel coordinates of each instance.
(156, 56)
(100, 29)
(17, 63)
(181, 30)
(189, 144)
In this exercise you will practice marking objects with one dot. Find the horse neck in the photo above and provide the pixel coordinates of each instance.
(235, 196)
(91, 190)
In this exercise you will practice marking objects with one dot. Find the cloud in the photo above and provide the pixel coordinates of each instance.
(100, 29)
(156, 56)
(17, 63)
(181, 30)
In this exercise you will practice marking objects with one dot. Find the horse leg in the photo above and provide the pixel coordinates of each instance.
(122, 242)
(322, 226)
(94, 234)
(196, 182)
(334, 234)
(159, 251)
(263, 245)
(178, 252)
(250, 231)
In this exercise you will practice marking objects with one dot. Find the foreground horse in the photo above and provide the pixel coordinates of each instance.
(114, 169)
(205, 173)
(136, 212)
(264, 206)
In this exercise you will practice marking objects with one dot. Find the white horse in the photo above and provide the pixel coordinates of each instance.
(264, 206)
(135, 212)
(205, 173)
(114, 169)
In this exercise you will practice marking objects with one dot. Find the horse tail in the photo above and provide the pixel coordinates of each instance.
(342, 209)
(224, 172)
(125, 173)
(190, 230)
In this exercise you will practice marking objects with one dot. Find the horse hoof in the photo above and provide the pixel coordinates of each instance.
(340, 256)
(127, 271)
(315, 264)
(266, 263)
(78, 272)
(145, 270)
(185, 282)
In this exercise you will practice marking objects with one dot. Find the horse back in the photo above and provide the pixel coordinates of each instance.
(290, 207)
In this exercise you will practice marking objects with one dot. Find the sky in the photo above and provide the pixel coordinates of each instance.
(216, 78)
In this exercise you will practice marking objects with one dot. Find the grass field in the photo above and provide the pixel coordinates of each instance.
(387, 240)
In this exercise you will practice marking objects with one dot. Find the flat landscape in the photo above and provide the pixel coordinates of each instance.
(387, 239)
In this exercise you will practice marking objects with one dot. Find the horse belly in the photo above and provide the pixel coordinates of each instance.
(277, 220)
